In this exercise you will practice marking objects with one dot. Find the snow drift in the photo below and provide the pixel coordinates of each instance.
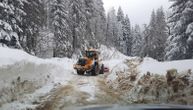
(161, 68)
(23, 75)
(110, 53)
(149, 81)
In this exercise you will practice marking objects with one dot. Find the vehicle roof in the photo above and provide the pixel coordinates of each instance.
(92, 49)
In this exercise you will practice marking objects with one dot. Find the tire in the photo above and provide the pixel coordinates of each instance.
(102, 69)
(79, 72)
(94, 70)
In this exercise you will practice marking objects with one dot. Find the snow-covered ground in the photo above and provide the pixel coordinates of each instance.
(149, 81)
(24, 79)
(31, 78)
(148, 65)
(108, 53)
(156, 67)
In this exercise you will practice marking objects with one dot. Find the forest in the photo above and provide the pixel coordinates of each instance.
(63, 28)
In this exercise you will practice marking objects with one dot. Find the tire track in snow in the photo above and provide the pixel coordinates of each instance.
(80, 91)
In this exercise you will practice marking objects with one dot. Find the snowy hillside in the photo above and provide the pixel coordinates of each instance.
(108, 53)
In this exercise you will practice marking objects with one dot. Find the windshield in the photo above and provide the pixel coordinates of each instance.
(82, 62)
(137, 54)
(91, 54)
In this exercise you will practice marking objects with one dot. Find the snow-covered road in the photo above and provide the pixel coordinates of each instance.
(80, 91)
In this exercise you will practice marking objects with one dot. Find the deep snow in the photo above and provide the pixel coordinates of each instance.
(156, 67)
(20, 72)
(30, 78)
(146, 81)
(43, 74)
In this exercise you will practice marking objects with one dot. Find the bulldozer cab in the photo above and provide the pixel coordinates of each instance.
(82, 61)
(93, 54)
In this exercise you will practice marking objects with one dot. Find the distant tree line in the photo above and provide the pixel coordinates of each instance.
(164, 38)
(134, 41)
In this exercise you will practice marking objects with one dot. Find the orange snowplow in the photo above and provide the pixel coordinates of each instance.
(89, 64)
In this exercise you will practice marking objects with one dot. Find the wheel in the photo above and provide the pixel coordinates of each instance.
(102, 69)
(79, 72)
(94, 70)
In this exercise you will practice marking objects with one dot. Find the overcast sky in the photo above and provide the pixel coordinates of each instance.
(139, 11)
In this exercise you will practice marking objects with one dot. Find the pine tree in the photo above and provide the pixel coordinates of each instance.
(77, 23)
(149, 37)
(11, 16)
(90, 11)
(5, 25)
(98, 21)
(120, 43)
(62, 33)
(136, 41)
(121, 38)
(45, 37)
(32, 22)
(95, 20)
(127, 35)
(146, 34)
(112, 28)
(155, 35)
(161, 35)
(180, 41)
(101, 21)
(120, 15)
(152, 36)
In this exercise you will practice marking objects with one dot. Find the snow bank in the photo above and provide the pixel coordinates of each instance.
(24, 77)
(153, 66)
(115, 67)
(110, 53)
(130, 78)
(64, 71)
(13, 60)
(11, 56)
(114, 60)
